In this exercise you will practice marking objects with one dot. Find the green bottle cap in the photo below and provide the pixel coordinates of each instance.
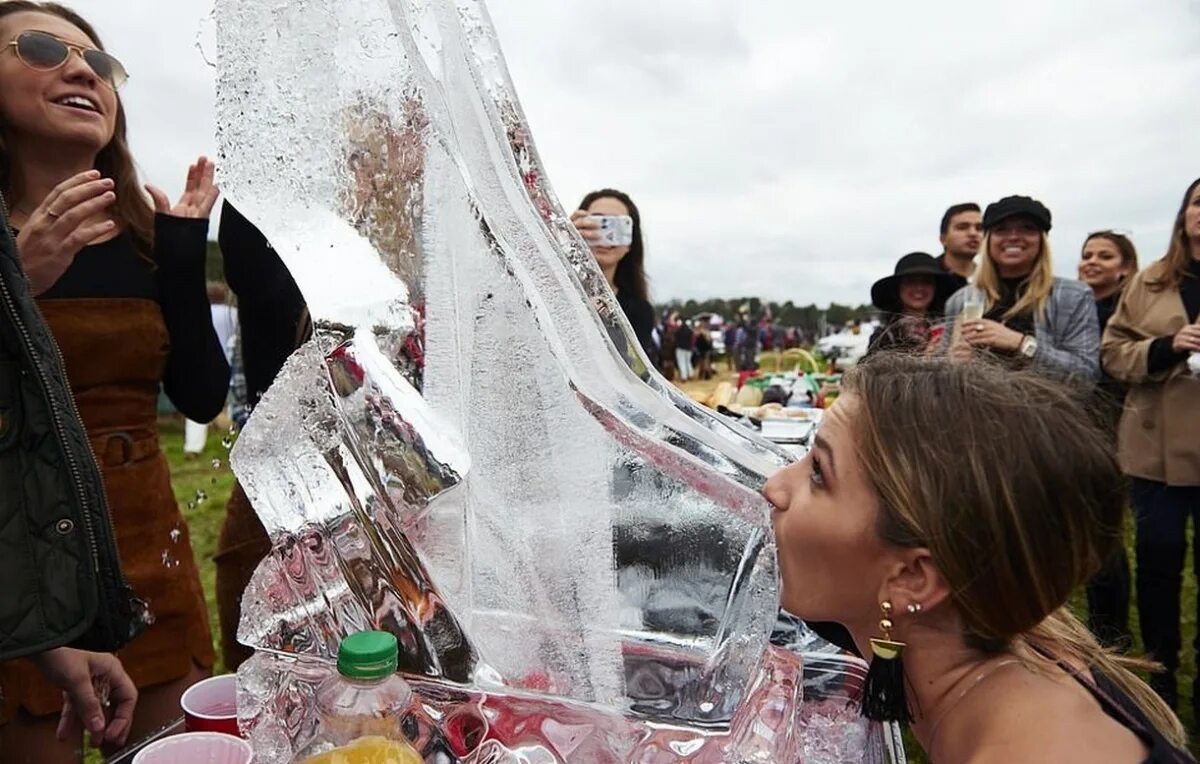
(368, 655)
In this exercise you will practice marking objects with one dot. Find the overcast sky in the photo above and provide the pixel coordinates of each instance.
(794, 150)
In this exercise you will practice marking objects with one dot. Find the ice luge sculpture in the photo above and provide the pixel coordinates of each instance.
(473, 453)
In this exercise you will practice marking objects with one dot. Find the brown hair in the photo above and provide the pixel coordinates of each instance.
(1037, 288)
(1020, 522)
(1124, 246)
(1172, 269)
(131, 210)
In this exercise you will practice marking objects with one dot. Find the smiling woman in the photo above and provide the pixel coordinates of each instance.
(1030, 318)
(122, 289)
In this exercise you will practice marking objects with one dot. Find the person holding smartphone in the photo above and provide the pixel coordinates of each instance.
(1026, 316)
(1147, 345)
(610, 223)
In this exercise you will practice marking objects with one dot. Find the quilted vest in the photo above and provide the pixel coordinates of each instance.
(60, 580)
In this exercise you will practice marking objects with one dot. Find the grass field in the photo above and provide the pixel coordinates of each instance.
(202, 487)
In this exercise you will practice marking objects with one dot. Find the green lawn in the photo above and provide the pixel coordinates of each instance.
(202, 486)
(199, 477)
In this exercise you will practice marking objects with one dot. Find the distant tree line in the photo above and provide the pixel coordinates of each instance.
(807, 318)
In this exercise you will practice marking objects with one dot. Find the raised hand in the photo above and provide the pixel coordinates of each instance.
(199, 193)
(67, 220)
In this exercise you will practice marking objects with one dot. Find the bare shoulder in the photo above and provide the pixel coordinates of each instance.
(1054, 722)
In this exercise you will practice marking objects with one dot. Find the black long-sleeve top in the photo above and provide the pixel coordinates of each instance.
(641, 317)
(196, 378)
(1011, 291)
(271, 309)
(902, 333)
(1109, 393)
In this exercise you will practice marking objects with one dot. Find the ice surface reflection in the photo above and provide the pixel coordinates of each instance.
(472, 452)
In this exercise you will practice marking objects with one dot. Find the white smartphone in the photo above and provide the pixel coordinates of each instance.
(615, 230)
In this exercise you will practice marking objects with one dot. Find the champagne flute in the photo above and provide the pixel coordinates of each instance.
(972, 310)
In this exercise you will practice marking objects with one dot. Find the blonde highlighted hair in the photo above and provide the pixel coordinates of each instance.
(1020, 523)
(1037, 287)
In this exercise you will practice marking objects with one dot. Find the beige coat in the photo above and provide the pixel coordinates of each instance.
(1159, 437)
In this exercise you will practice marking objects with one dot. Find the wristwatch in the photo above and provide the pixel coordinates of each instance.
(1028, 347)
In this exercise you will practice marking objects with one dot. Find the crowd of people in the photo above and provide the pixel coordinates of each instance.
(1130, 337)
(1063, 389)
(970, 479)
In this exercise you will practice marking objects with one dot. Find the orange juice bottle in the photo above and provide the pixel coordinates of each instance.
(362, 706)
(369, 750)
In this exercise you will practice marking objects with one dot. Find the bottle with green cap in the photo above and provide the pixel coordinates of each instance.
(363, 705)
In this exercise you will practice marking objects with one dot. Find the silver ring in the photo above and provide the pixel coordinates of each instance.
(52, 213)
(978, 329)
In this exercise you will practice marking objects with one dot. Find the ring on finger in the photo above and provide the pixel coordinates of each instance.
(52, 214)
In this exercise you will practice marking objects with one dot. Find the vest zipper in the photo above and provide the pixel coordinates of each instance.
(56, 415)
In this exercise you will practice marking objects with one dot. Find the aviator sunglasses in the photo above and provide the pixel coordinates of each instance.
(44, 52)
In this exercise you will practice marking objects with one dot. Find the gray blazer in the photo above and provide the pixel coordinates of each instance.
(1068, 333)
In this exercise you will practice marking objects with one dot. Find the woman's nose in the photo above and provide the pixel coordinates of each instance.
(77, 69)
(774, 492)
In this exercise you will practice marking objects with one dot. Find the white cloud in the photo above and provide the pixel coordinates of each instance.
(795, 150)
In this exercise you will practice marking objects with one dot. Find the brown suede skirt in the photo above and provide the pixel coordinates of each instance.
(156, 554)
(115, 351)
(243, 544)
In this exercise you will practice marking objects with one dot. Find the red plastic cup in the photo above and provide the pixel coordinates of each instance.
(211, 706)
(196, 748)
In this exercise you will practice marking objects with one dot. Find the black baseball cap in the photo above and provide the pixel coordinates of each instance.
(1012, 206)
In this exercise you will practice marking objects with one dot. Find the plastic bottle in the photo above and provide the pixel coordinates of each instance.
(362, 706)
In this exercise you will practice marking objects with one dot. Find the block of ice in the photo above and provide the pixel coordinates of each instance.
(473, 453)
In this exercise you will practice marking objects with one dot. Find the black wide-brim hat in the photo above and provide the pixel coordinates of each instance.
(1016, 206)
(885, 293)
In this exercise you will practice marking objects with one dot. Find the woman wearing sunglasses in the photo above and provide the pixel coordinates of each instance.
(121, 285)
